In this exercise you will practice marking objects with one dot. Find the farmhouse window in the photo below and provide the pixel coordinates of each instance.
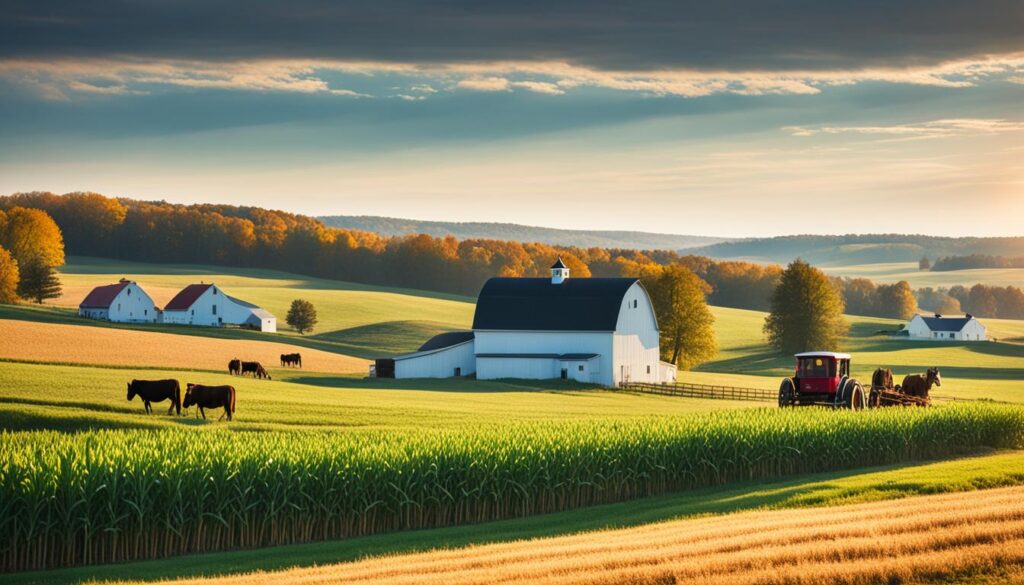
(214, 309)
(581, 367)
(635, 303)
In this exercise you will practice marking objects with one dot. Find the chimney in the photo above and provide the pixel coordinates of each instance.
(969, 316)
(124, 280)
(938, 316)
(559, 272)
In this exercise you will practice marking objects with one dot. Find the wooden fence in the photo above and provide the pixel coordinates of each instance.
(704, 391)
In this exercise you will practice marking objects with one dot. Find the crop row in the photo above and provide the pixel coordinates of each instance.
(109, 496)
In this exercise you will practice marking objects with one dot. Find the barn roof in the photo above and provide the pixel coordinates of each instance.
(446, 340)
(188, 295)
(951, 324)
(558, 263)
(102, 296)
(535, 304)
(565, 357)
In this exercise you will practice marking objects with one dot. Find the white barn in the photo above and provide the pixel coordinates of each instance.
(124, 302)
(943, 328)
(207, 305)
(595, 330)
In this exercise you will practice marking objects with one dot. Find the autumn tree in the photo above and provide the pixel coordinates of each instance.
(9, 277)
(684, 320)
(924, 263)
(31, 236)
(301, 316)
(806, 311)
(896, 300)
(38, 282)
(860, 296)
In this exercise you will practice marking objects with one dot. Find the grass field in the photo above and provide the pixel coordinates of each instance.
(818, 490)
(897, 271)
(926, 539)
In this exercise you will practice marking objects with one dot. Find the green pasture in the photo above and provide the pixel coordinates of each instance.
(896, 271)
(71, 397)
(815, 490)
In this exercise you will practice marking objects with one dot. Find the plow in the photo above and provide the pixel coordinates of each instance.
(823, 379)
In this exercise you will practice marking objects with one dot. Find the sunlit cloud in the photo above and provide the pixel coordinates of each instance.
(67, 77)
(932, 129)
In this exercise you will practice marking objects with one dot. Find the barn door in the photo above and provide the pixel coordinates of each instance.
(565, 373)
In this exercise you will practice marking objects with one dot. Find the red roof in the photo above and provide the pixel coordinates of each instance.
(102, 296)
(188, 295)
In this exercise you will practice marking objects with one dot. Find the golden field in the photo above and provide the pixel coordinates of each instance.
(80, 344)
(975, 537)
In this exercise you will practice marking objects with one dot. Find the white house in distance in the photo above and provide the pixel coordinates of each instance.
(596, 330)
(124, 302)
(206, 304)
(944, 328)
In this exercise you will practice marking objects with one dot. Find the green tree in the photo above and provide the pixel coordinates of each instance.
(807, 311)
(38, 282)
(9, 277)
(680, 303)
(924, 263)
(896, 300)
(301, 316)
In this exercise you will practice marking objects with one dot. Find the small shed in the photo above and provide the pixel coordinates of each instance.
(448, 355)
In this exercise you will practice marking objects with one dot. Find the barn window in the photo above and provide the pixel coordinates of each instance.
(581, 367)
(145, 311)
(118, 306)
(634, 303)
(128, 292)
(214, 309)
(648, 369)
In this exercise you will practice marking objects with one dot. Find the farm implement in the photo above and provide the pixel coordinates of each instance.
(823, 378)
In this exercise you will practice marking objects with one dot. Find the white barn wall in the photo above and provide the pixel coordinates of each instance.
(132, 305)
(973, 330)
(437, 364)
(535, 342)
(635, 355)
(213, 308)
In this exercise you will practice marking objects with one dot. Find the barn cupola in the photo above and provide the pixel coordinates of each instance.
(559, 272)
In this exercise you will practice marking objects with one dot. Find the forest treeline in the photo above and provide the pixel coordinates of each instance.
(228, 235)
(950, 263)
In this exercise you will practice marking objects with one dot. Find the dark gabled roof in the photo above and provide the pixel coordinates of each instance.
(188, 295)
(952, 324)
(448, 339)
(558, 263)
(101, 296)
(535, 304)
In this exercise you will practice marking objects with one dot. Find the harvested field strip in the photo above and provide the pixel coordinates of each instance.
(917, 539)
(48, 342)
(100, 497)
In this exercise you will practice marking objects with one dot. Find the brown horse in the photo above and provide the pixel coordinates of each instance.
(882, 378)
(156, 391)
(919, 384)
(211, 397)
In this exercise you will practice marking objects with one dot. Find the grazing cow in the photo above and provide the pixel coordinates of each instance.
(156, 391)
(256, 369)
(235, 367)
(211, 397)
(291, 359)
(919, 384)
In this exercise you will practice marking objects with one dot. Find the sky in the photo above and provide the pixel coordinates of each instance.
(735, 118)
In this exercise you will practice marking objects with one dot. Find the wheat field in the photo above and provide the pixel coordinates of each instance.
(976, 536)
(78, 344)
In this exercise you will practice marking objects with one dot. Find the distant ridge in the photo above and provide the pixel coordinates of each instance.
(391, 226)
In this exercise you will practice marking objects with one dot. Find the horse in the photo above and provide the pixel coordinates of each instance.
(211, 397)
(235, 367)
(919, 384)
(291, 359)
(156, 391)
(256, 369)
(882, 378)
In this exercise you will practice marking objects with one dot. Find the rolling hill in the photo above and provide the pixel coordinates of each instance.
(391, 226)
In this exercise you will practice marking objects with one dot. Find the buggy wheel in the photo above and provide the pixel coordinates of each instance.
(851, 395)
(787, 393)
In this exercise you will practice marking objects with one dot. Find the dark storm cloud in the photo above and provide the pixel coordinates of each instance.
(631, 35)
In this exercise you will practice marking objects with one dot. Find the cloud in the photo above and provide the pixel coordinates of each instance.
(484, 84)
(652, 35)
(540, 87)
(932, 129)
(1016, 79)
(84, 87)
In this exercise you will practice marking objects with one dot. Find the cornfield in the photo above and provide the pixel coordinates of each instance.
(121, 495)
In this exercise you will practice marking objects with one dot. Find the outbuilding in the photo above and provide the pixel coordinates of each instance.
(208, 305)
(123, 302)
(946, 328)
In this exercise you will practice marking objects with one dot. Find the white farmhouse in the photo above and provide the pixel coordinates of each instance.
(206, 304)
(943, 328)
(124, 302)
(596, 330)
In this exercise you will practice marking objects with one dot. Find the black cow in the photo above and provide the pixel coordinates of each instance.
(235, 367)
(211, 397)
(156, 391)
(256, 369)
(291, 359)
